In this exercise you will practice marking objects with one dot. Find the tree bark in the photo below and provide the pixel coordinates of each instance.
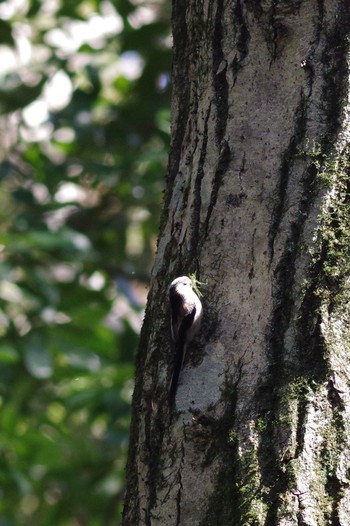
(257, 204)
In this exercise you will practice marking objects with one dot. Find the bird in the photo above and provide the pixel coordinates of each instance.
(186, 315)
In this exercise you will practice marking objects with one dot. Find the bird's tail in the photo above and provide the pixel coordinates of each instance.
(179, 358)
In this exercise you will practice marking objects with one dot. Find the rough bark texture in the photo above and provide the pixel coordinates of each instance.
(257, 204)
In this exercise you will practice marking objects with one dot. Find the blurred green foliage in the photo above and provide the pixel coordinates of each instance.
(84, 126)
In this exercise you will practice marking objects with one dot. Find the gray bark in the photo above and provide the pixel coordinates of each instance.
(257, 204)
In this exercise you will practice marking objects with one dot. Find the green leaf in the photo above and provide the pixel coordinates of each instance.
(8, 354)
(37, 358)
(6, 33)
(14, 97)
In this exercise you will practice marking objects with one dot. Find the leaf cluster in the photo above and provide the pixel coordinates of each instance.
(84, 121)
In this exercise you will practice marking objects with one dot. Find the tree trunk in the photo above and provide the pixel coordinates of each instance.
(257, 205)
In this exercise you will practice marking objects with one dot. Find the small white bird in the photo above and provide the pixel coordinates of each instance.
(186, 316)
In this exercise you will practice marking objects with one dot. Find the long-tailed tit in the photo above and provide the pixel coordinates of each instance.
(186, 316)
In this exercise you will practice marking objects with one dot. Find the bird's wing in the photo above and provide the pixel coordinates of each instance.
(180, 353)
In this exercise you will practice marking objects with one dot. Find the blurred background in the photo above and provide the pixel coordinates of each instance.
(84, 137)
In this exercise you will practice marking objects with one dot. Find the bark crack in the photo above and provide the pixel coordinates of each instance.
(180, 75)
(242, 39)
(334, 486)
(179, 493)
(220, 78)
(285, 171)
(197, 201)
(221, 169)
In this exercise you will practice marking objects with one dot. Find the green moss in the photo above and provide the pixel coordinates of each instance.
(232, 438)
(335, 232)
(236, 499)
(237, 496)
